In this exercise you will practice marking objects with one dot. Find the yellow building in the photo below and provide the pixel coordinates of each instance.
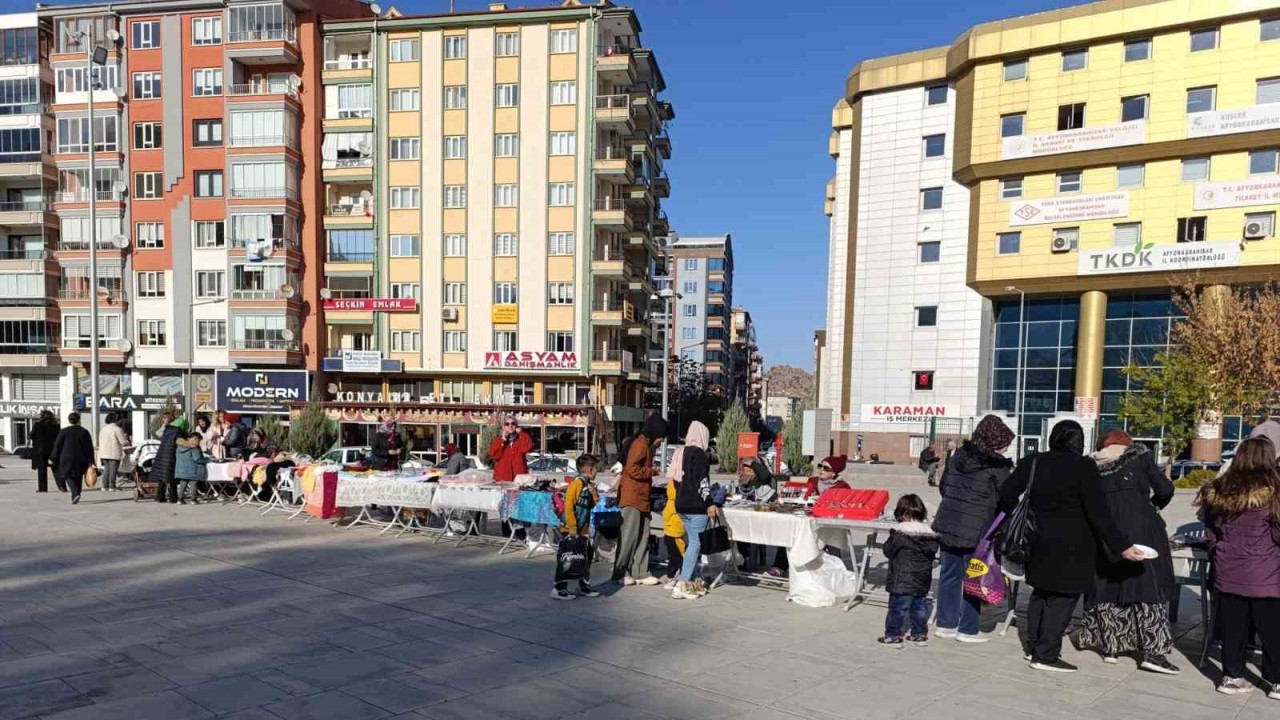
(493, 186)
(1110, 151)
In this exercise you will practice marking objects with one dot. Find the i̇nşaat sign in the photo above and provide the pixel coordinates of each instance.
(372, 304)
(530, 360)
(1159, 258)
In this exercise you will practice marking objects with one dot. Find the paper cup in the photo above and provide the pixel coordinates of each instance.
(1147, 552)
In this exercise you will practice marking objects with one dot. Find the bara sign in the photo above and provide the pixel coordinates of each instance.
(371, 304)
(1214, 196)
(530, 360)
(1133, 132)
(907, 413)
(1228, 122)
(1159, 258)
(260, 391)
(121, 403)
(1068, 208)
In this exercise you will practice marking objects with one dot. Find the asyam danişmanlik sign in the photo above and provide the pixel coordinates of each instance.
(1214, 196)
(1133, 132)
(1160, 258)
(900, 414)
(530, 360)
(1068, 208)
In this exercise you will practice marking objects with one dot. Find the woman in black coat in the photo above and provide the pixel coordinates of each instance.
(1073, 525)
(73, 453)
(1128, 610)
(43, 434)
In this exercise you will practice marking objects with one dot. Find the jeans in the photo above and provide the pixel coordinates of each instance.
(632, 555)
(1238, 617)
(903, 608)
(956, 611)
(109, 470)
(693, 527)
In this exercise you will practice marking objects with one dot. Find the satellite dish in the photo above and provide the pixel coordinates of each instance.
(125, 346)
(286, 292)
(113, 35)
(363, 147)
(287, 334)
(120, 186)
(120, 241)
(333, 388)
(326, 293)
(375, 8)
(118, 92)
(365, 195)
(295, 81)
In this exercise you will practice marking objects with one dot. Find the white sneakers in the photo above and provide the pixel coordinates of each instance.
(945, 633)
(648, 580)
(972, 639)
(685, 591)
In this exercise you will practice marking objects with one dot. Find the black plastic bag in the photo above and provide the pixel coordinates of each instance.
(573, 558)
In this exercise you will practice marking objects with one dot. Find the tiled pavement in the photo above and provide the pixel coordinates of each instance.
(115, 610)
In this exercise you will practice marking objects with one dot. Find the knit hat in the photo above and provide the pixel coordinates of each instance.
(837, 463)
(1115, 436)
(992, 435)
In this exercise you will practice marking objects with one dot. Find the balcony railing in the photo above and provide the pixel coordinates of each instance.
(83, 294)
(276, 243)
(353, 63)
(83, 196)
(24, 206)
(286, 33)
(19, 157)
(257, 140)
(75, 244)
(264, 344)
(611, 203)
(615, 48)
(350, 209)
(613, 102)
(250, 89)
(352, 114)
(84, 343)
(350, 255)
(613, 152)
(260, 192)
(24, 254)
(347, 162)
(44, 348)
(22, 301)
(253, 294)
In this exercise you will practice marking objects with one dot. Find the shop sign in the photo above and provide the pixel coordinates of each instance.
(260, 391)
(354, 396)
(1213, 196)
(366, 361)
(505, 314)
(1227, 122)
(1068, 208)
(1078, 140)
(131, 403)
(900, 414)
(372, 304)
(531, 360)
(20, 409)
(1159, 258)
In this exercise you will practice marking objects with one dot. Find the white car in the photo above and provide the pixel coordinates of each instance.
(345, 455)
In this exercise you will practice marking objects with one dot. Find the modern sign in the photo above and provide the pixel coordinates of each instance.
(531, 360)
(372, 304)
(21, 409)
(505, 314)
(902, 414)
(1068, 208)
(1227, 122)
(1078, 140)
(1160, 258)
(1213, 196)
(260, 391)
(366, 361)
(130, 403)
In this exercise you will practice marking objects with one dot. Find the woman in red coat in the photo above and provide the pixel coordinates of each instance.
(508, 451)
(828, 477)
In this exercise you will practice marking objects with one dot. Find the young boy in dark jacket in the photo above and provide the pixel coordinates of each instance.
(911, 548)
(579, 498)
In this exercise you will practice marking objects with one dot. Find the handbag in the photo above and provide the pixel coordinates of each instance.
(984, 578)
(715, 539)
(573, 558)
(91, 477)
(1018, 533)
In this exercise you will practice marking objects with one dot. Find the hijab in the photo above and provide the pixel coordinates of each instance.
(992, 435)
(698, 436)
(1068, 437)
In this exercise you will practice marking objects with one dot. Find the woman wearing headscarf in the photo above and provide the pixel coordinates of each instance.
(970, 489)
(631, 563)
(455, 461)
(1073, 525)
(1128, 610)
(695, 507)
(386, 447)
(43, 435)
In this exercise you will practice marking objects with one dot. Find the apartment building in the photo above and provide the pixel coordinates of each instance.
(1108, 151)
(746, 364)
(701, 273)
(493, 188)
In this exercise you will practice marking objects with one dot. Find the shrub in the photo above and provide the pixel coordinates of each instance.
(734, 422)
(312, 433)
(1195, 479)
(275, 430)
(488, 434)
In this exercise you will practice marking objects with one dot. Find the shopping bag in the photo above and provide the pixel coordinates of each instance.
(715, 539)
(1016, 536)
(983, 578)
(825, 586)
(573, 558)
(323, 497)
(91, 477)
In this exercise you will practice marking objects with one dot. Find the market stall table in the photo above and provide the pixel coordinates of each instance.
(873, 535)
(397, 493)
(536, 509)
(799, 533)
(465, 503)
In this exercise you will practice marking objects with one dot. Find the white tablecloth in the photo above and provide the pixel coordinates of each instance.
(799, 534)
(481, 499)
(223, 471)
(357, 492)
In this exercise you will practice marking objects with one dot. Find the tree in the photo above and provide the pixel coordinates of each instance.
(733, 422)
(693, 399)
(312, 433)
(275, 431)
(169, 407)
(1174, 396)
(488, 434)
(792, 455)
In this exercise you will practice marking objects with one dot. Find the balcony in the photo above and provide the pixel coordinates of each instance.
(273, 93)
(608, 261)
(261, 249)
(78, 296)
(662, 143)
(616, 63)
(349, 119)
(614, 111)
(614, 311)
(348, 57)
(266, 351)
(27, 212)
(82, 196)
(271, 44)
(350, 214)
(356, 167)
(261, 141)
(613, 162)
(611, 212)
(661, 185)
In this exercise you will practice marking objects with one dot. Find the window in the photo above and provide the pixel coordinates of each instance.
(927, 316)
(75, 79)
(564, 41)
(75, 331)
(922, 380)
(455, 147)
(1268, 91)
(1266, 221)
(1134, 108)
(211, 283)
(1202, 99)
(1075, 59)
(1011, 125)
(211, 333)
(564, 143)
(564, 93)
(1270, 30)
(560, 342)
(1195, 169)
(206, 31)
(146, 85)
(689, 333)
(348, 101)
(208, 183)
(151, 333)
(210, 234)
(506, 245)
(1071, 117)
(504, 293)
(406, 340)
(1068, 236)
(1135, 50)
(151, 284)
(147, 186)
(506, 145)
(935, 95)
(206, 82)
(455, 47)
(403, 50)
(561, 194)
(207, 133)
(690, 287)
(149, 235)
(455, 245)
(1015, 69)
(1204, 39)
(506, 95)
(1130, 176)
(21, 46)
(506, 44)
(689, 310)
(406, 245)
(73, 134)
(408, 148)
(19, 96)
(263, 179)
(1262, 162)
(1126, 234)
(405, 99)
(930, 252)
(935, 145)
(560, 293)
(691, 263)
(146, 136)
(1010, 188)
(1192, 229)
(406, 291)
(560, 243)
(455, 196)
(1009, 243)
(1069, 181)
(144, 34)
(506, 195)
(406, 198)
(455, 97)
(455, 340)
(931, 199)
(455, 293)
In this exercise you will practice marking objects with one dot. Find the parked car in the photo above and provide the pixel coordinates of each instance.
(352, 455)
(1182, 467)
(552, 464)
(22, 451)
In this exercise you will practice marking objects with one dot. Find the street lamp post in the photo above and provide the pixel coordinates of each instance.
(670, 297)
(191, 352)
(1022, 325)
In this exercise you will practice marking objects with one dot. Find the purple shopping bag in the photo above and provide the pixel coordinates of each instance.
(983, 578)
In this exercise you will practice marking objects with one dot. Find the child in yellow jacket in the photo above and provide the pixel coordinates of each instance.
(673, 528)
(579, 498)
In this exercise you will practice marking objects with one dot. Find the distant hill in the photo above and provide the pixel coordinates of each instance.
(790, 382)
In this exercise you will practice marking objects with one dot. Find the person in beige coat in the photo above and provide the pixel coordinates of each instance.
(113, 443)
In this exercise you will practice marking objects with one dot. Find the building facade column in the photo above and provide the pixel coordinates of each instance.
(1092, 337)
(1207, 444)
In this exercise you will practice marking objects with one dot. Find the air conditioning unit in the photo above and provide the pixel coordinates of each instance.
(1061, 244)
(449, 314)
(1256, 230)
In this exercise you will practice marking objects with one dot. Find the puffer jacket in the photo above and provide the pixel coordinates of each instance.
(165, 462)
(1245, 549)
(190, 462)
(970, 489)
(911, 548)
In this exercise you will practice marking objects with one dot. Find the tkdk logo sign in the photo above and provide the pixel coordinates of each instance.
(1160, 258)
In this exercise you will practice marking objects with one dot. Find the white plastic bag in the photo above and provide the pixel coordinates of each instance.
(824, 586)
